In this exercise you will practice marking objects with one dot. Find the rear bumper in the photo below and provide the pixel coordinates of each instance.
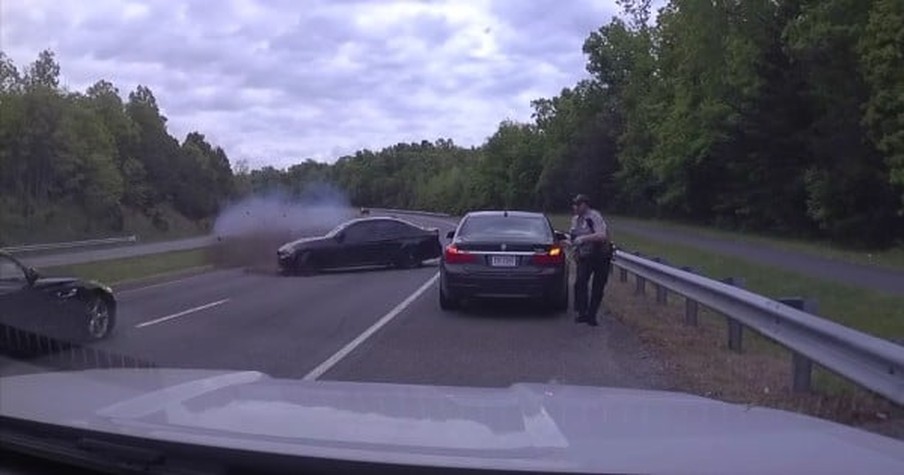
(547, 283)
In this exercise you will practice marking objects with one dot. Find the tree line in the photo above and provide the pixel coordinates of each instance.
(784, 116)
(87, 158)
(780, 116)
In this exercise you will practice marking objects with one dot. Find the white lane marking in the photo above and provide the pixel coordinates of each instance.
(182, 313)
(342, 353)
(154, 286)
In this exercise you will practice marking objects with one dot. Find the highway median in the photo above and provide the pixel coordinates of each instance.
(133, 270)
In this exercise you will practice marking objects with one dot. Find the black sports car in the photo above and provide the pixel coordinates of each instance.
(66, 308)
(359, 243)
(504, 254)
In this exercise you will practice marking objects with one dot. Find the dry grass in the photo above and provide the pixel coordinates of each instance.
(699, 362)
(254, 252)
(114, 271)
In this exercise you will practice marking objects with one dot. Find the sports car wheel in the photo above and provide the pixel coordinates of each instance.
(100, 317)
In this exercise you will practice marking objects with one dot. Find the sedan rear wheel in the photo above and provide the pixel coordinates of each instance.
(560, 302)
(99, 318)
(447, 302)
(407, 259)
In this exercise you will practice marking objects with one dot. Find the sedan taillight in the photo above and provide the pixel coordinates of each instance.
(553, 257)
(455, 255)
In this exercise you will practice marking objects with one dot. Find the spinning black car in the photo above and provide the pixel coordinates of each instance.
(359, 243)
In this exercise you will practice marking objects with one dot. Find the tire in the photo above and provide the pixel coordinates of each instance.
(304, 265)
(99, 319)
(407, 259)
(447, 302)
(560, 302)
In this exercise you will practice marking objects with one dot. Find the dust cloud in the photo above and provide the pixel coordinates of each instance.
(250, 231)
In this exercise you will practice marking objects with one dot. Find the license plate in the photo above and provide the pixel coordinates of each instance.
(503, 261)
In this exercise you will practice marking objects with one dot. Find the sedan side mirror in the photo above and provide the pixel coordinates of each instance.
(32, 275)
(560, 236)
(450, 234)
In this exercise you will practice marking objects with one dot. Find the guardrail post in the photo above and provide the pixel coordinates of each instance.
(662, 293)
(735, 329)
(690, 306)
(641, 288)
(622, 274)
(801, 366)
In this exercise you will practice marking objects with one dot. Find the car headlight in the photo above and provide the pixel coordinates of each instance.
(283, 251)
(100, 286)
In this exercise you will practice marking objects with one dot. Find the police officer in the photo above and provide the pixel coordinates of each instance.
(591, 249)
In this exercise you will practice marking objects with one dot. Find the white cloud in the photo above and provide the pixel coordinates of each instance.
(276, 81)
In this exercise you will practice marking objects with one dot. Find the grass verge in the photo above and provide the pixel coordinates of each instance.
(892, 258)
(119, 270)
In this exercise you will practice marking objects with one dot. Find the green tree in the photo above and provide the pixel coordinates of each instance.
(881, 48)
(849, 191)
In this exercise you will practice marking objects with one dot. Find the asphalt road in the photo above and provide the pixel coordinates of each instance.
(848, 273)
(380, 325)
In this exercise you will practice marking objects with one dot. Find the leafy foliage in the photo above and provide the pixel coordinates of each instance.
(779, 115)
(91, 156)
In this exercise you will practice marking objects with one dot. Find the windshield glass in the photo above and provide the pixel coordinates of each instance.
(491, 234)
(508, 227)
(335, 231)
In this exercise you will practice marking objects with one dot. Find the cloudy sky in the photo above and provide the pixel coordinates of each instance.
(277, 81)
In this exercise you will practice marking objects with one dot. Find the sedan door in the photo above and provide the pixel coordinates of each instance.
(391, 237)
(360, 245)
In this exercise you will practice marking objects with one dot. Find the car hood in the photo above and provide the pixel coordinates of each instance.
(303, 242)
(547, 428)
(54, 281)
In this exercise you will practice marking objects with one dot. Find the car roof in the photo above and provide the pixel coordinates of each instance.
(380, 218)
(500, 213)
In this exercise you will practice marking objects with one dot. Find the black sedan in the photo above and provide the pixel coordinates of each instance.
(66, 308)
(361, 243)
(504, 254)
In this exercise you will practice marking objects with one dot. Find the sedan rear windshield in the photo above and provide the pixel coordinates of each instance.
(505, 227)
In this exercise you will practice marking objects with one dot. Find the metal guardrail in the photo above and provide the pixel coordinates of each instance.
(409, 212)
(869, 361)
(69, 245)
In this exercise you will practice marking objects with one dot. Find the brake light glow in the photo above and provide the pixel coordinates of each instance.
(554, 256)
(455, 255)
